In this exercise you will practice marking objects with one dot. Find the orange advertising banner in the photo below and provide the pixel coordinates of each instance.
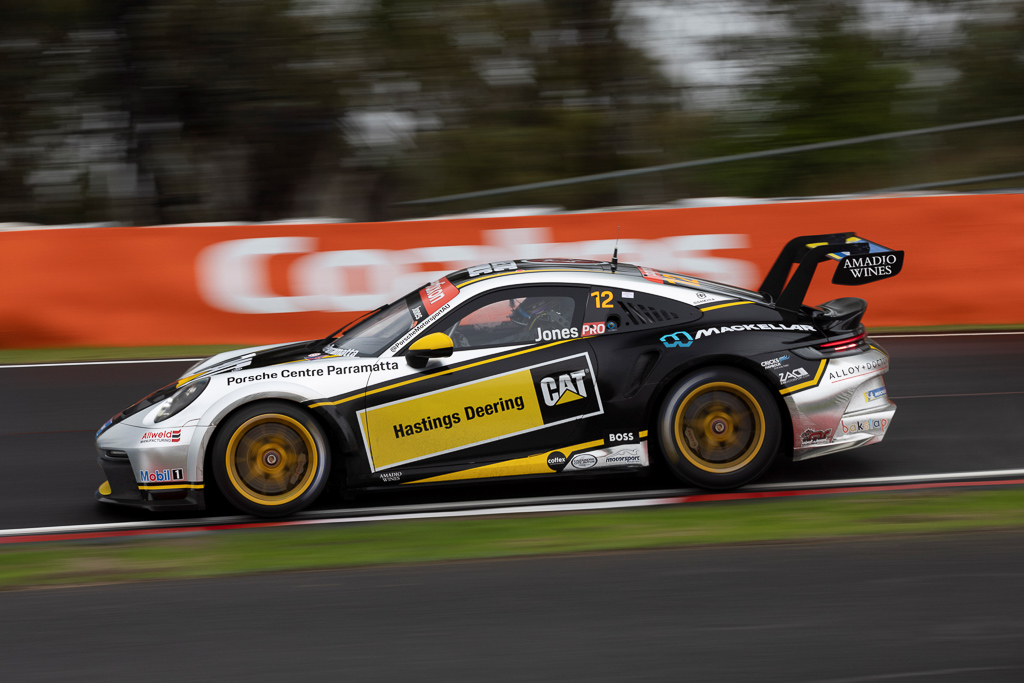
(261, 284)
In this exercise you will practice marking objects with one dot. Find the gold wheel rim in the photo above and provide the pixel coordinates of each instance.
(719, 427)
(272, 459)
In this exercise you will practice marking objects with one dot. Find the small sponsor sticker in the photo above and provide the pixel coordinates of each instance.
(162, 436)
(774, 363)
(858, 369)
(793, 375)
(583, 461)
(810, 436)
(677, 339)
(625, 456)
(157, 476)
(854, 426)
(437, 294)
(627, 295)
(557, 461)
(874, 394)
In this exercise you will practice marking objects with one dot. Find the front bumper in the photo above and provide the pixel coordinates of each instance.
(151, 467)
(124, 490)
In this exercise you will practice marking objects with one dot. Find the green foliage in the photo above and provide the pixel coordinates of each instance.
(157, 111)
(221, 553)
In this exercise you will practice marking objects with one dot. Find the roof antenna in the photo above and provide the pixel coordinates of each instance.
(615, 254)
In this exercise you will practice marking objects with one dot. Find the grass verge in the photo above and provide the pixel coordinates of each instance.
(221, 553)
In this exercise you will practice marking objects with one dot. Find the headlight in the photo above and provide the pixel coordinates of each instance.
(181, 399)
(106, 425)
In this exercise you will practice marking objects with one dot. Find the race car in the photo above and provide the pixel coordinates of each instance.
(544, 367)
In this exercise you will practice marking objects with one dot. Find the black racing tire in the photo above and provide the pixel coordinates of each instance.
(719, 428)
(270, 459)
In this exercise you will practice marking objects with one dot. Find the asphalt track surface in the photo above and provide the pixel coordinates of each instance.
(960, 408)
(940, 609)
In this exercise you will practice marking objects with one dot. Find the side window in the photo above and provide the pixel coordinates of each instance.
(517, 316)
(615, 310)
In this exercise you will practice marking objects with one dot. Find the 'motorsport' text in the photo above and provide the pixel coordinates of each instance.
(429, 423)
(292, 373)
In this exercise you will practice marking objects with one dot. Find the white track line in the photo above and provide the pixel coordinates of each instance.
(871, 481)
(221, 521)
(511, 506)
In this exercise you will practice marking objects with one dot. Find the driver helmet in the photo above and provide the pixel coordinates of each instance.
(533, 309)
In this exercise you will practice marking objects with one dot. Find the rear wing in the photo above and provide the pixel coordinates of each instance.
(858, 262)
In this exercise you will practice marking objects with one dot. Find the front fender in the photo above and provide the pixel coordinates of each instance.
(225, 405)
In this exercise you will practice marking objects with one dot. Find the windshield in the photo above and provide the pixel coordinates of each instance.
(371, 336)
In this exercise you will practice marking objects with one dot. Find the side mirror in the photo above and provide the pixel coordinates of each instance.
(436, 345)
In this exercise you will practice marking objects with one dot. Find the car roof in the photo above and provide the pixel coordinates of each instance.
(502, 269)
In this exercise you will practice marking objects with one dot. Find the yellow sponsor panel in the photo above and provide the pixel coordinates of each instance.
(534, 464)
(451, 419)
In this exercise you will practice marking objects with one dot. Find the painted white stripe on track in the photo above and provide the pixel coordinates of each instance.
(227, 521)
(502, 507)
(871, 481)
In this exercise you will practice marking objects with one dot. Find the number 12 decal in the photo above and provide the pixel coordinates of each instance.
(602, 299)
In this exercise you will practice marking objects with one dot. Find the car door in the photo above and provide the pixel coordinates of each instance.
(520, 384)
(625, 328)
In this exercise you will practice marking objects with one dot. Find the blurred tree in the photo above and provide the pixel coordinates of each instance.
(37, 86)
(212, 110)
(249, 80)
(155, 111)
(510, 93)
(989, 62)
(826, 78)
(991, 65)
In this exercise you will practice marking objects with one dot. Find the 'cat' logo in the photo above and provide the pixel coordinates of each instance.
(567, 387)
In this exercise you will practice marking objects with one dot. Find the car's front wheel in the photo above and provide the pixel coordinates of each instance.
(719, 428)
(270, 459)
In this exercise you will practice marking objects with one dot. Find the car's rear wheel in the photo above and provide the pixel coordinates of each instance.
(270, 459)
(719, 428)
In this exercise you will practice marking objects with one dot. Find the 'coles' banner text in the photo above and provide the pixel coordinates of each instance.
(272, 283)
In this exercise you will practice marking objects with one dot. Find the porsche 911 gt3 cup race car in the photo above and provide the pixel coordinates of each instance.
(546, 367)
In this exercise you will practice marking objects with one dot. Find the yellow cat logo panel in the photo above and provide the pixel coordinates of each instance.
(481, 411)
